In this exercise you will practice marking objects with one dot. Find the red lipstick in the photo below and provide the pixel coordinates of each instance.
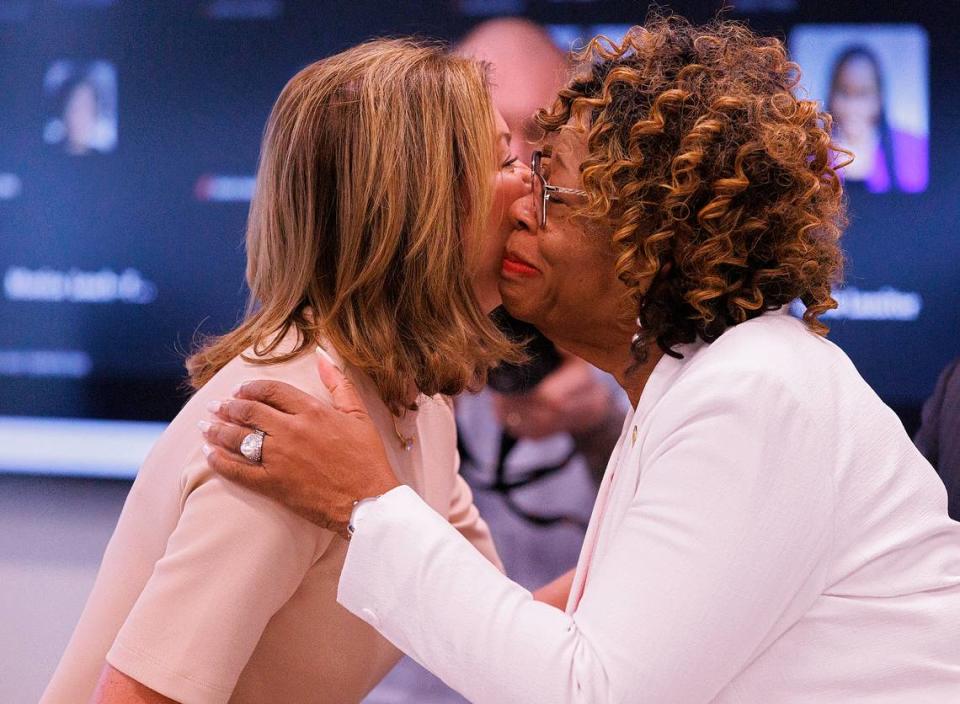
(517, 267)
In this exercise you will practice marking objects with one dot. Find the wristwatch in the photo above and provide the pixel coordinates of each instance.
(359, 507)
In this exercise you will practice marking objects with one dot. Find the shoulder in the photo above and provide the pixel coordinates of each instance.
(950, 377)
(774, 348)
(944, 399)
(436, 421)
(440, 407)
(769, 366)
(183, 437)
(750, 398)
(285, 363)
(767, 342)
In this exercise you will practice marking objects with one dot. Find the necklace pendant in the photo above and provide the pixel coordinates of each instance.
(406, 441)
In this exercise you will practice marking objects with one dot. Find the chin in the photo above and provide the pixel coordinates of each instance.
(518, 305)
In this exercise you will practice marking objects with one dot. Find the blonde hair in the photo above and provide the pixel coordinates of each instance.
(374, 184)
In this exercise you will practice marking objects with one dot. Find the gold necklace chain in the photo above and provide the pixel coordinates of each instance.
(406, 442)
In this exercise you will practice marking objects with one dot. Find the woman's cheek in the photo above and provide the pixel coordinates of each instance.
(501, 201)
(502, 188)
(497, 226)
(512, 186)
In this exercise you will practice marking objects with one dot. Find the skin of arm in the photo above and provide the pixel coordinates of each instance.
(556, 592)
(115, 687)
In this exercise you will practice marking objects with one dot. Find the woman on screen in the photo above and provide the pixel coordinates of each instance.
(886, 158)
(85, 104)
(376, 230)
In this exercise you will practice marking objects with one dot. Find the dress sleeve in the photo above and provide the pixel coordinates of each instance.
(232, 561)
(724, 546)
(465, 517)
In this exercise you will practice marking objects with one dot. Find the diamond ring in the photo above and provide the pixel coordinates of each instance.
(252, 446)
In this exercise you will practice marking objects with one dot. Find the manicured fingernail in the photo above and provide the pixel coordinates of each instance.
(237, 389)
(206, 449)
(214, 406)
(204, 426)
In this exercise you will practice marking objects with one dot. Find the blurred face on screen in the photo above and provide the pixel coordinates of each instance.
(80, 117)
(856, 103)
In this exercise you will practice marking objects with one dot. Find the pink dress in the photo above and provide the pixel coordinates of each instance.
(209, 592)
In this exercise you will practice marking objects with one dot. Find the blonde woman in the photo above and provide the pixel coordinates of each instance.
(376, 230)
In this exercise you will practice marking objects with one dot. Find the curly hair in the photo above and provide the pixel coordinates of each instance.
(719, 183)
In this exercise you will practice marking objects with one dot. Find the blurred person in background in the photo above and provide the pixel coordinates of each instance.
(527, 70)
(559, 432)
(376, 230)
(938, 437)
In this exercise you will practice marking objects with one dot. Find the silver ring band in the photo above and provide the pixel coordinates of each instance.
(252, 446)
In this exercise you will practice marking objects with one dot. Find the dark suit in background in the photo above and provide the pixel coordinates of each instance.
(939, 435)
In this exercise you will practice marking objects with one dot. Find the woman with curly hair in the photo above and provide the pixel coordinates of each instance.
(765, 530)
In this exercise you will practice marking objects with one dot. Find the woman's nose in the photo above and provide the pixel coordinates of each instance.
(522, 213)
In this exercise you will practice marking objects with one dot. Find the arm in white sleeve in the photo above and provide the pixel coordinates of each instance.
(722, 549)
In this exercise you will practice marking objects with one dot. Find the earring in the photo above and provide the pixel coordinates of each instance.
(638, 334)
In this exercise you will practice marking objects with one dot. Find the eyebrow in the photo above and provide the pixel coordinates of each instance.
(507, 136)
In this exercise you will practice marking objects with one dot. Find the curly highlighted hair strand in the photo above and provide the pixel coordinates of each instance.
(719, 183)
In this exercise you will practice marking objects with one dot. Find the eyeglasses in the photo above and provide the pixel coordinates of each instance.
(542, 189)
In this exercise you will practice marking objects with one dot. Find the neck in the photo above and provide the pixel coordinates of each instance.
(634, 381)
(614, 358)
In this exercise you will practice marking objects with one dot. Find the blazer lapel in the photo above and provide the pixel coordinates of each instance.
(596, 519)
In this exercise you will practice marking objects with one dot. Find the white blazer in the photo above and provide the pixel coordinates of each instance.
(765, 532)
